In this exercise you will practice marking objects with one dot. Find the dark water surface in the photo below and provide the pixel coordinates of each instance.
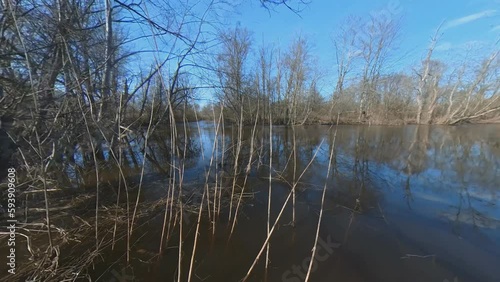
(403, 203)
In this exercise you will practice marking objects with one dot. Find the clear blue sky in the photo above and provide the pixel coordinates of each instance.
(465, 21)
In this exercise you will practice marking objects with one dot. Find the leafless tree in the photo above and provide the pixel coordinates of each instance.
(233, 72)
(481, 97)
(424, 77)
(375, 42)
(299, 74)
(345, 54)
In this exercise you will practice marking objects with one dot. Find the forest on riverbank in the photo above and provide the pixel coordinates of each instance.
(283, 84)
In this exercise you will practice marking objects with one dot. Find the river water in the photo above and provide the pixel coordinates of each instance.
(403, 203)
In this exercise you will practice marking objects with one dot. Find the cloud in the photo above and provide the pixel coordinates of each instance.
(496, 28)
(445, 46)
(469, 18)
(474, 44)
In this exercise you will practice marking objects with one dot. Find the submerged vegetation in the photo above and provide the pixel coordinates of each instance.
(91, 131)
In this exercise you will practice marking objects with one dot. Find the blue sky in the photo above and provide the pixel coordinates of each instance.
(465, 21)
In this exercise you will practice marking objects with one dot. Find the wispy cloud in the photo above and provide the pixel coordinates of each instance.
(469, 18)
(496, 28)
(445, 46)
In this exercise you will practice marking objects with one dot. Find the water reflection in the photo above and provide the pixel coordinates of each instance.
(410, 203)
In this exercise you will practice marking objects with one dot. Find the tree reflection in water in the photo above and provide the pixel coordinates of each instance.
(402, 191)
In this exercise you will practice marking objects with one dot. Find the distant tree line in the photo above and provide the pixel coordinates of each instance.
(285, 83)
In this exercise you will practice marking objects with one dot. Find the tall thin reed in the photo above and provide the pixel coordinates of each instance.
(266, 242)
(236, 160)
(181, 181)
(143, 165)
(223, 156)
(247, 170)
(196, 238)
(332, 150)
(119, 137)
(270, 185)
(294, 173)
(207, 174)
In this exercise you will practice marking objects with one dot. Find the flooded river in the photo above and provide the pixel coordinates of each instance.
(403, 203)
